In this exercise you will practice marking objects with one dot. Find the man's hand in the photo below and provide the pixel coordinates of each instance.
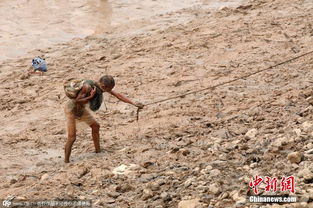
(139, 105)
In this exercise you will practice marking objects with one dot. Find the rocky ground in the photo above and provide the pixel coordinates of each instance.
(200, 150)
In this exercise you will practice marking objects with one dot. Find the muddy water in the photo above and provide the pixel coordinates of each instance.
(34, 24)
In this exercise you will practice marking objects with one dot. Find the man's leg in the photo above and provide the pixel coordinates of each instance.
(95, 136)
(71, 134)
(94, 125)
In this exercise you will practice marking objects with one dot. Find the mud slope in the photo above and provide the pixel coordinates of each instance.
(205, 146)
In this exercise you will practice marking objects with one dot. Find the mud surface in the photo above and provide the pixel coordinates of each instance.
(204, 147)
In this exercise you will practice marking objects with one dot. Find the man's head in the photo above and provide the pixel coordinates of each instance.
(106, 83)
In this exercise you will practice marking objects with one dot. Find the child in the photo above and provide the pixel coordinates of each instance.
(82, 92)
(39, 66)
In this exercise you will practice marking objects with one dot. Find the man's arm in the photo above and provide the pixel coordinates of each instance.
(83, 97)
(125, 99)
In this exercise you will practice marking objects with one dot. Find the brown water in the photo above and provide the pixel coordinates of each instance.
(32, 24)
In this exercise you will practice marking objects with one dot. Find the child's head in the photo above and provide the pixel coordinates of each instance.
(106, 83)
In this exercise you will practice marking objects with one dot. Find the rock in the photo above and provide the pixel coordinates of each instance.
(82, 172)
(223, 195)
(108, 201)
(281, 141)
(40, 164)
(174, 150)
(13, 181)
(215, 189)
(251, 134)
(193, 203)
(83, 197)
(202, 189)
(215, 172)
(123, 188)
(223, 8)
(113, 194)
(307, 126)
(59, 132)
(102, 58)
(310, 100)
(21, 177)
(147, 194)
(301, 205)
(294, 157)
(311, 194)
(44, 177)
(144, 178)
(154, 186)
(218, 162)
(240, 200)
(185, 152)
(33, 128)
(304, 172)
(24, 76)
(196, 170)
(125, 170)
(206, 198)
(206, 170)
(147, 164)
(254, 165)
(298, 132)
(165, 197)
(309, 151)
(120, 169)
(161, 181)
(116, 56)
(308, 178)
(221, 133)
(77, 182)
(309, 146)
(98, 202)
(188, 182)
(134, 167)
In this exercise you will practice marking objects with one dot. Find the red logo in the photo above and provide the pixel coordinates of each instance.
(271, 184)
(255, 183)
(286, 184)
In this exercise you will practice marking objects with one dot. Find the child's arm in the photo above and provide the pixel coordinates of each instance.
(83, 97)
(125, 99)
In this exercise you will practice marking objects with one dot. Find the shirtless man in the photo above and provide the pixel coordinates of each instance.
(75, 109)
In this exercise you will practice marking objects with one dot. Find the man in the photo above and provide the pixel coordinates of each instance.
(90, 92)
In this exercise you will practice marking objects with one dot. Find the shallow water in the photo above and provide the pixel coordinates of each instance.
(33, 24)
